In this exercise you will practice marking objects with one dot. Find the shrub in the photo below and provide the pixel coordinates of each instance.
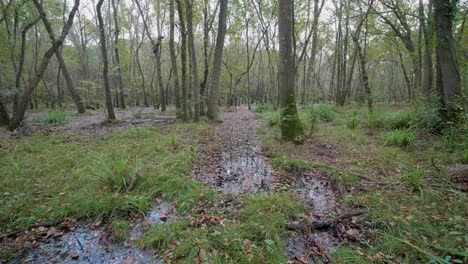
(374, 120)
(428, 118)
(401, 119)
(354, 121)
(400, 138)
(310, 118)
(56, 117)
(260, 108)
(121, 174)
(325, 112)
(273, 118)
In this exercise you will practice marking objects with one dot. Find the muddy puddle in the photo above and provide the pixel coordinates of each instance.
(237, 165)
(86, 244)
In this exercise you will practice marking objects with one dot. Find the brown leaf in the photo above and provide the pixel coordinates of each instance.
(202, 254)
(74, 256)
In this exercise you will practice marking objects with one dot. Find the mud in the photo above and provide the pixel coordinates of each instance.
(236, 164)
(92, 123)
(87, 244)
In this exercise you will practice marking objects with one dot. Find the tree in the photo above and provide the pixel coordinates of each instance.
(193, 60)
(447, 67)
(58, 53)
(175, 71)
(105, 70)
(115, 6)
(291, 126)
(26, 97)
(183, 58)
(218, 59)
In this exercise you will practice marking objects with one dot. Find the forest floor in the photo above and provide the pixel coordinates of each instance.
(150, 189)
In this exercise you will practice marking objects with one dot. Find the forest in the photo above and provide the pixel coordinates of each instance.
(233, 131)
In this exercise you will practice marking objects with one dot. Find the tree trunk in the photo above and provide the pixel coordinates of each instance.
(105, 70)
(193, 59)
(117, 53)
(173, 57)
(365, 78)
(447, 64)
(290, 124)
(218, 58)
(183, 58)
(4, 117)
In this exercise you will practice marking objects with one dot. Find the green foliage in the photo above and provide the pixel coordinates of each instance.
(402, 138)
(120, 229)
(374, 120)
(428, 117)
(401, 119)
(325, 112)
(56, 117)
(354, 121)
(174, 140)
(253, 235)
(12, 166)
(119, 174)
(260, 108)
(311, 118)
(413, 177)
(272, 117)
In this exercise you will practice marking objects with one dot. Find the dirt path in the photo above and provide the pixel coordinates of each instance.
(233, 163)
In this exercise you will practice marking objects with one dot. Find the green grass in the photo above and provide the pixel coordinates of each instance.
(56, 177)
(56, 117)
(254, 235)
(325, 112)
(402, 138)
(416, 218)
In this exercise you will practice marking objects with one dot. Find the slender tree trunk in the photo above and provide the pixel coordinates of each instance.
(183, 58)
(117, 53)
(175, 71)
(365, 78)
(105, 70)
(218, 58)
(193, 56)
(290, 124)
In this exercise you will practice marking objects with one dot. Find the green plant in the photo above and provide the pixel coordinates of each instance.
(354, 121)
(119, 231)
(413, 177)
(174, 140)
(326, 112)
(260, 108)
(273, 118)
(311, 119)
(12, 166)
(401, 119)
(56, 117)
(374, 120)
(120, 174)
(400, 138)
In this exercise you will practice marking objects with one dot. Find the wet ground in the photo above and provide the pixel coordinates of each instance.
(91, 244)
(233, 163)
(92, 123)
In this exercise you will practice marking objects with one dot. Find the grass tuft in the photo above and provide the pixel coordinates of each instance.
(402, 138)
(56, 117)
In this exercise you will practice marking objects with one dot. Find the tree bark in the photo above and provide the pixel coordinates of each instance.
(218, 58)
(175, 71)
(183, 58)
(117, 53)
(193, 60)
(290, 124)
(105, 70)
(447, 63)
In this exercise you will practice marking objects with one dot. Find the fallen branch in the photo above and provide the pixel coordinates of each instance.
(325, 223)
